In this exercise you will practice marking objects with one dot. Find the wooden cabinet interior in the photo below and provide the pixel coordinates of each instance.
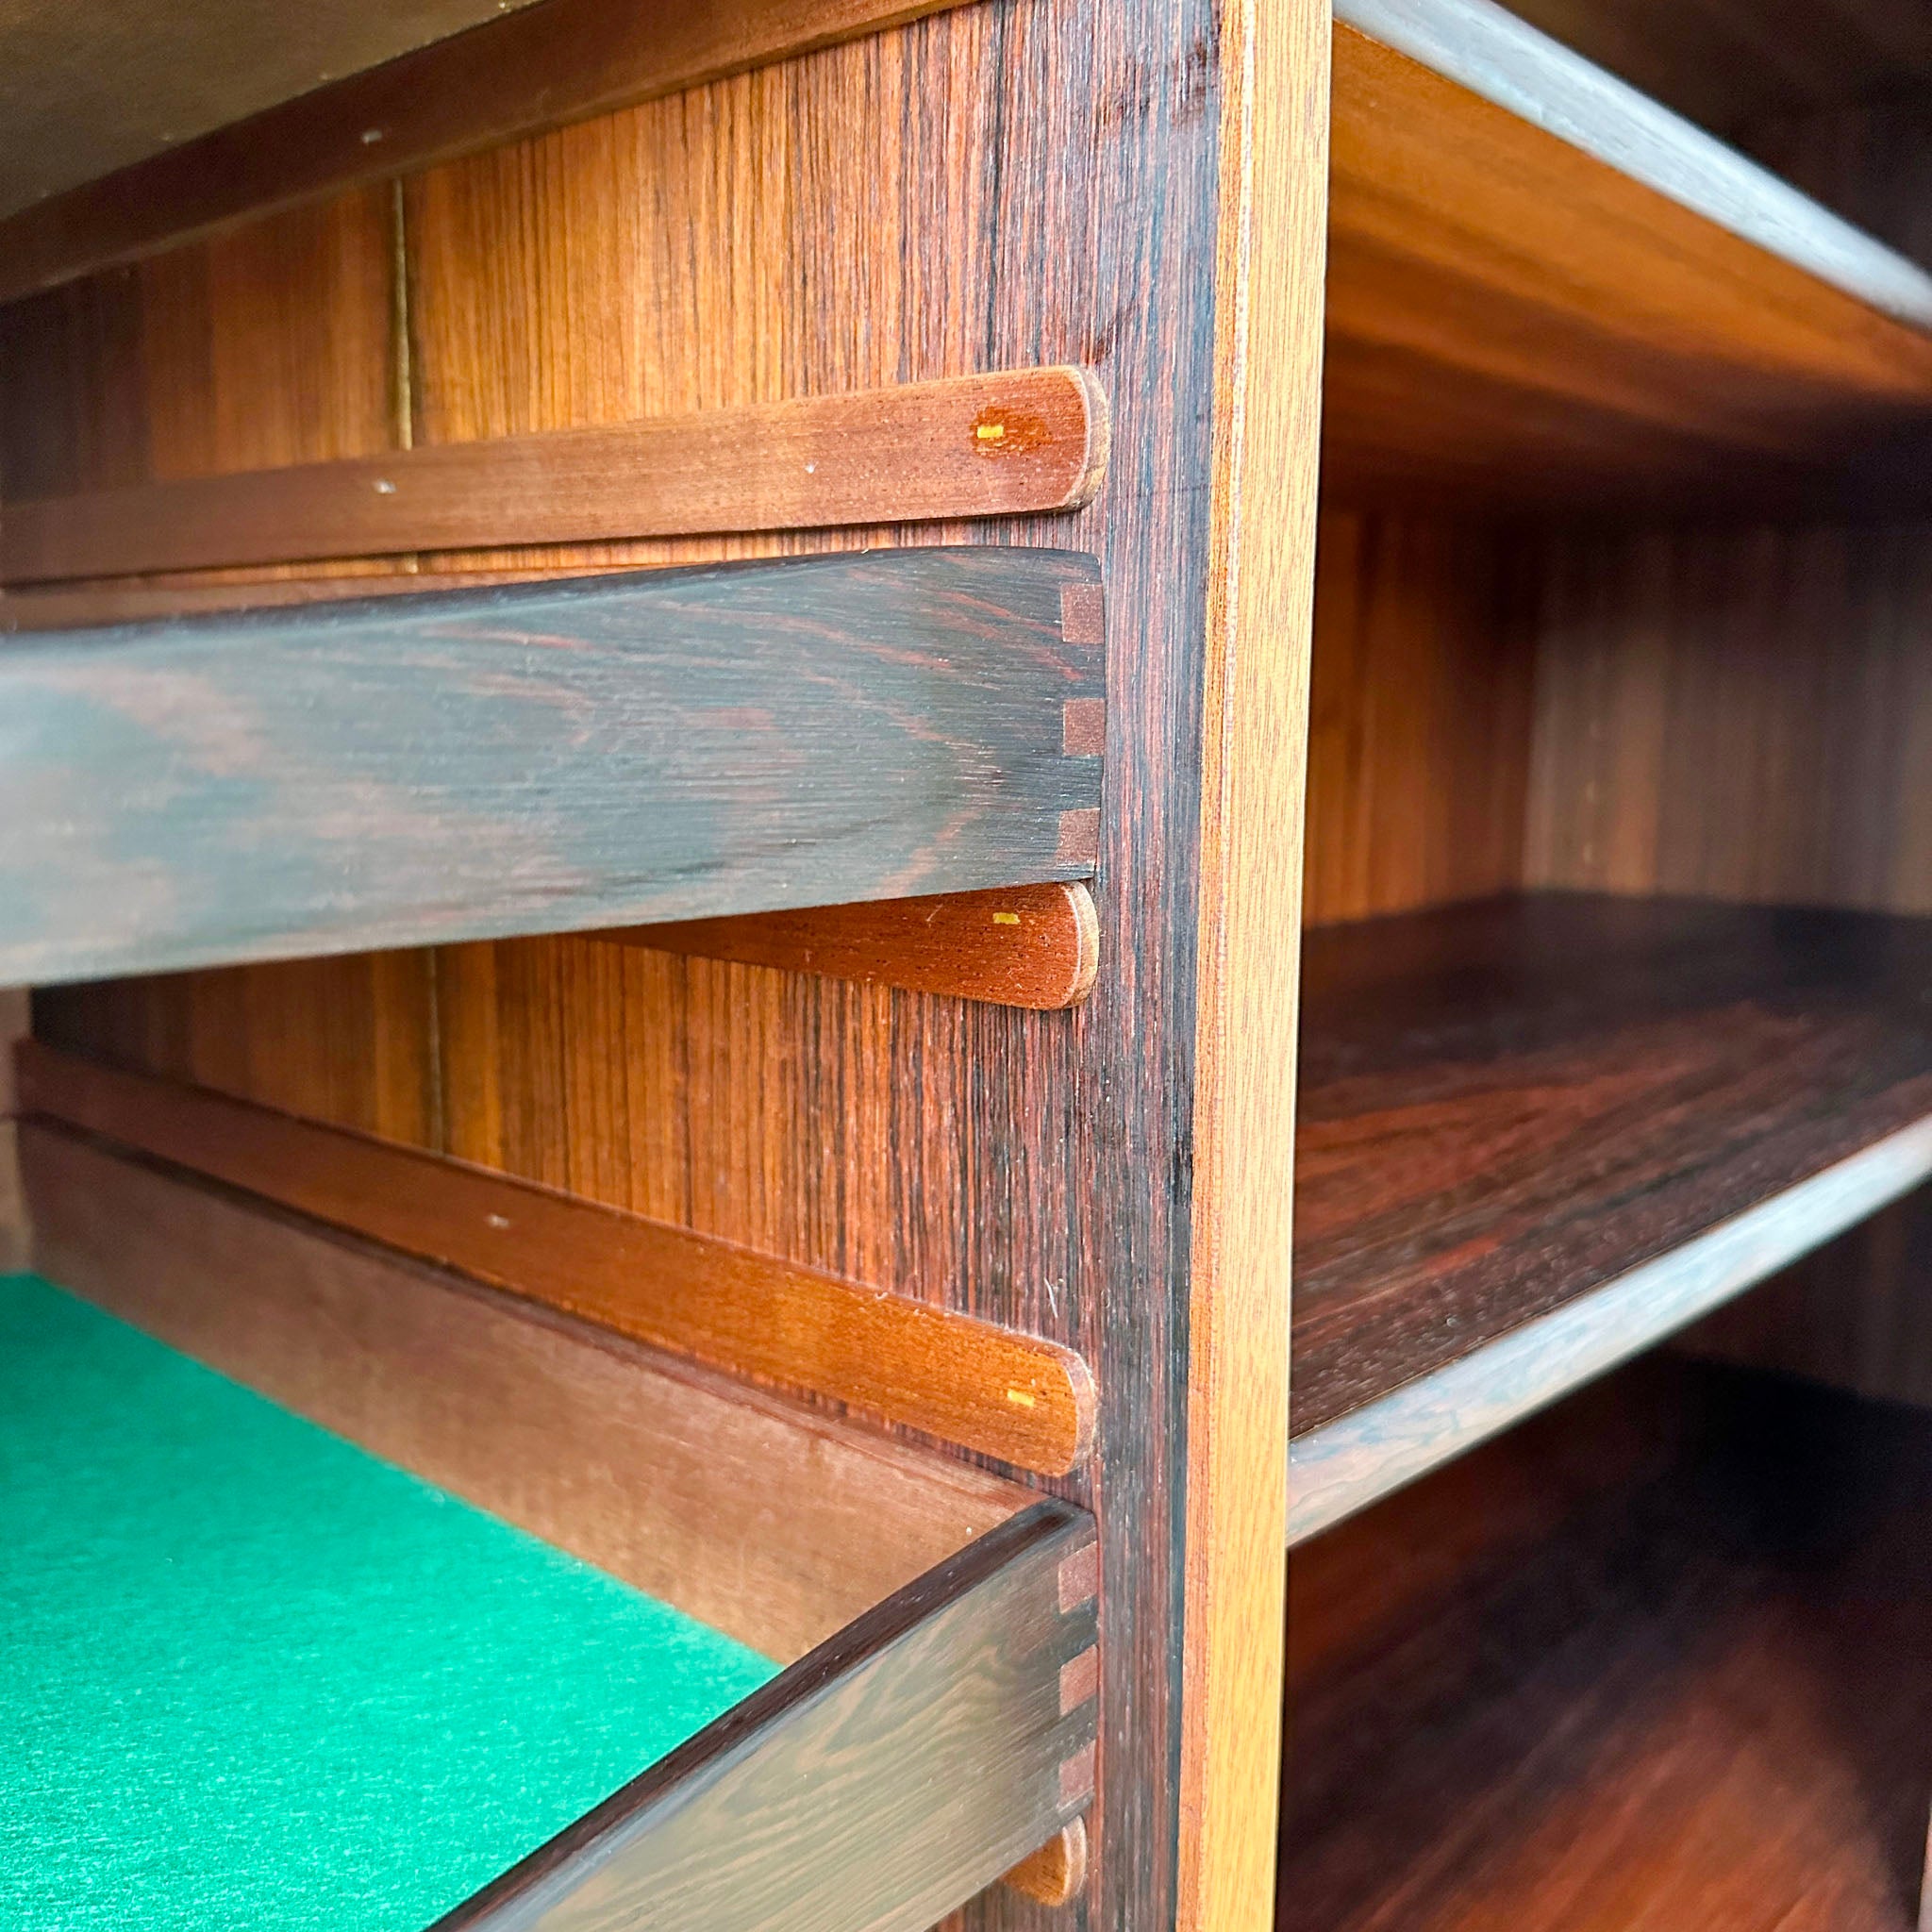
(917, 1748)
(1601, 673)
(1616, 876)
(1002, 444)
(380, 772)
(1026, 1402)
(756, 205)
(1541, 285)
(1539, 1133)
(548, 757)
(1661, 1658)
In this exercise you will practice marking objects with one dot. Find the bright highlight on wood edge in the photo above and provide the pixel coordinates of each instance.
(1044, 954)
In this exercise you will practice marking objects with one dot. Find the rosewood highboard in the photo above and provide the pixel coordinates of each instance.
(967, 962)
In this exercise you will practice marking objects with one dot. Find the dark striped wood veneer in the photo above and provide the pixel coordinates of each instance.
(1537, 1134)
(665, 744)
(905, 1765)
(1026, 1401)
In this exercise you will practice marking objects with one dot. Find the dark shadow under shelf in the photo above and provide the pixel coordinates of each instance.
(1700, 1696)
(1538, 1134)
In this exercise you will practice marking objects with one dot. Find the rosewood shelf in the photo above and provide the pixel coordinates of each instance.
(1541, 282)
(1538, 1134)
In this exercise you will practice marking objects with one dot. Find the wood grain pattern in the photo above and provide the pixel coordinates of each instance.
(131, 600)
(1035, 946)
(1495, 53)
(771, 1523)
(1056, 1874)
(1029, 1403)
(873, 1786)
(539, 757)
(1364, 1455)
(1738, 712)
(1507, 1106)
(1006, 443)
(554, 62)
(1511, 315)
(85, 90)
(1254, 767)
(977, 1153)
(1029, 182)
(1705, 1701)
(266, 348)
(1419, 714)
(1744, 714)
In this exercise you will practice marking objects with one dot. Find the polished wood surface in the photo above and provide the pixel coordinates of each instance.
(1029, 1403)
(1253, 736)
(85, 90)
(1036, 946)
(875, 213)
(547, 64)
(759, 1518)
(1507, 1106)
(1419, 728)
(872, 213)
(1489, 50)
(1345, 1465)
(873, 1786)
(1511, 315)
(539, 757)
(274, 345)
(1005, 443)
(1706, 1700)
(1056, 1874)
(1739, 712)
(204, 594)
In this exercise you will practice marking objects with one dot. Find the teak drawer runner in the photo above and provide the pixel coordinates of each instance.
(253, 1677)
(1004, 444)
(1027, 1401)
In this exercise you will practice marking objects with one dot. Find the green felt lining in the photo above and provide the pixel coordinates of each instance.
(252, 1677)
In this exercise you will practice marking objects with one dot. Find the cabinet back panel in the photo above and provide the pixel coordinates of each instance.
(1737, 713)
(1419, 728)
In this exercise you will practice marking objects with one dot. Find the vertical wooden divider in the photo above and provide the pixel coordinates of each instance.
(1267, 342)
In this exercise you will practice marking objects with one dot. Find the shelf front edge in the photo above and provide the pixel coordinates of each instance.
(1351, 1462)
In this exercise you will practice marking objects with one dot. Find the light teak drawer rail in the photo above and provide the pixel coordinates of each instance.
(1028, 1401)
(1004, 444)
